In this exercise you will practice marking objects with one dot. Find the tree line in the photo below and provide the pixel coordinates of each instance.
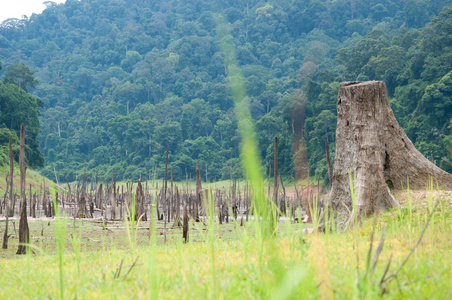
(122, 81)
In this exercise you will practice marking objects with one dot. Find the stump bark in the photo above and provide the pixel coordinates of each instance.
(374, 149)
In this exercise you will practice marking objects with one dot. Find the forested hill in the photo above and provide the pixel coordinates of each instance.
(122, 80)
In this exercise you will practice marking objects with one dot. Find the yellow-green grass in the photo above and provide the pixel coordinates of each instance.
(33, 177)
(231, 263)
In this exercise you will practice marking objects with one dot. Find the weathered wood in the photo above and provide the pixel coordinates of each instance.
(31, 200)
(165, 183)
(185, 226)
(328, 160)
(171, 204)
(11, 174)
(198, 208)
(234, 201)
(374, 149)
(139, 203)
(82, 211)
(275, 175)
(283, 204)
(33, 207)
(24, 232)
(121, 203)
(113, 198)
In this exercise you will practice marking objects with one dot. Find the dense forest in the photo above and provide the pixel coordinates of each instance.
(118, 82)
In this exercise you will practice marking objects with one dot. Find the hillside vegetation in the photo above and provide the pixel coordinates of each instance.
(123, 80)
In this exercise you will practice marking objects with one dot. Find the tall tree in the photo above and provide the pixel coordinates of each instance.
(20, 75)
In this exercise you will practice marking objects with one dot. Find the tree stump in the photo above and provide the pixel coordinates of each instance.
(374, 149)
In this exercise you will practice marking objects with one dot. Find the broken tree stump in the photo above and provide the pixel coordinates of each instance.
(374, 149)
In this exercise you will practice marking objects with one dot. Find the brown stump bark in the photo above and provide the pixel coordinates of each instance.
(113, 200)
(275, 175)
(199, 202)
(139, 203)
(185, 226)
(374, 149)
(24, 233)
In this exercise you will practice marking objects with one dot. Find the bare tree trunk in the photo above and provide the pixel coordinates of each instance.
(24, 233)
(83, 212)
(170, 209)
(122, 202)
(234, 200)
(308, 204)
(375, 151)
(283, 200)
(328, 161)
(165, 183)
(177, 216)
(139, 203)
(11, 174)
(199, 205)
(275, 176)
(185, 226)
(33, 208)
(113, 199)
(31, 200)
(99, 197)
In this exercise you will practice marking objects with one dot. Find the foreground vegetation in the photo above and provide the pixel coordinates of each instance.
(113, 260)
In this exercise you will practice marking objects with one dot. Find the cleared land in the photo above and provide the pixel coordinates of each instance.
(110, 260)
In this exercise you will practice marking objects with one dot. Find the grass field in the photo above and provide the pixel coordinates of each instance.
(86, 260)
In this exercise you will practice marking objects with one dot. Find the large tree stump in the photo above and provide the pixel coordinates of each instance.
(372, 146)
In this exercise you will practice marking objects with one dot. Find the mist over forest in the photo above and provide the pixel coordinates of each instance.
(113, 84)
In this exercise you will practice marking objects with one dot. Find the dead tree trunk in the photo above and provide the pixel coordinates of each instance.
(234, 200)
(24, 233)
(328, 160)
(83, 212)
(113, 199)
(199, 201)
(11, 174)
(185, 226)
(275, 176)
(374, 149)
(165, 184)
(177, 212)
(99, 197)
(31, 201)
(283, 204)
(9, 210)
(33, 207)
(139, 203)
(171, 204)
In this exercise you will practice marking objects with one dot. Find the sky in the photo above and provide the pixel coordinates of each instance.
(17, 8)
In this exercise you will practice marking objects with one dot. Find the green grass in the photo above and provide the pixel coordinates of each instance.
(227, 261)
(261, 260)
